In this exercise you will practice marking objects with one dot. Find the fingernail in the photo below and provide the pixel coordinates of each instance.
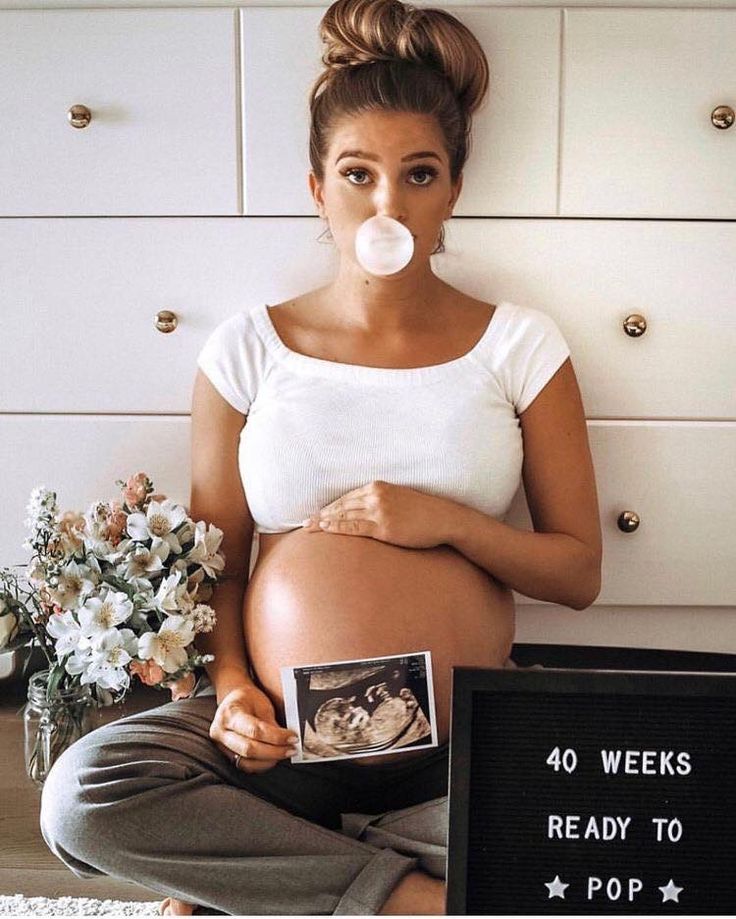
(306, 521)
(324, 524)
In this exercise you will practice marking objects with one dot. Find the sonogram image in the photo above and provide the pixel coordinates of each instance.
(346, 710)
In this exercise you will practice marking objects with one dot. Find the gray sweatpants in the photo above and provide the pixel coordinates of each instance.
(150, 798)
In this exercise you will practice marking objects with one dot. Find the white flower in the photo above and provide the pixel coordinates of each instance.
(204, 551)
(95, 519)
(142, 560)
(160, 520)
(119, 553)
(106, 662)
(67, 632)
(167, 646)
(36, 573)
(42, 503)
(186, 531)
(103, 614)
(167, 597)
(8, 624)
(73, 581)
(203, 618)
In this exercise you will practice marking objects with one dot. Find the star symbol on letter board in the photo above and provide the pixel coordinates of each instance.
(556, 888)
(671, 892)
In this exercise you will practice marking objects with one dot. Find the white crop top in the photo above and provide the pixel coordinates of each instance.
(317, 428)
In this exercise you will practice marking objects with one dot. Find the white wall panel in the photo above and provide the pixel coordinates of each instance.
(676, 628)
(80, 458)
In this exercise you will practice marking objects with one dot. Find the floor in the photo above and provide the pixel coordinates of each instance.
(27, 866)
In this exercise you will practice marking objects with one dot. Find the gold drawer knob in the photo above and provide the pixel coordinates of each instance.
(79, 116)
(166, 321)
(628, 521)
(722, 117)
(635, 325)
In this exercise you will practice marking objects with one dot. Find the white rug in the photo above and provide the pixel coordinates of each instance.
(19, 905)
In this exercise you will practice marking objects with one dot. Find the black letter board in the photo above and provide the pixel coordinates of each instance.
(592, 792)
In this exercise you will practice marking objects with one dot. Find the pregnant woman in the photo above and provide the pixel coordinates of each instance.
(372, 433)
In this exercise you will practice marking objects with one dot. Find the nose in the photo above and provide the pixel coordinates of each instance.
(388, 202)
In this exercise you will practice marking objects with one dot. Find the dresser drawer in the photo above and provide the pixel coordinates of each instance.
(640, 87)
(592, 276)
(677, 477)
(161, 88)
(79, 300)
(512, 168)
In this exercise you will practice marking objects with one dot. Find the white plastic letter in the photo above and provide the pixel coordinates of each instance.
(613, 885)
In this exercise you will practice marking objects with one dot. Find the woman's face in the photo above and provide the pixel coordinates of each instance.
(417, 192)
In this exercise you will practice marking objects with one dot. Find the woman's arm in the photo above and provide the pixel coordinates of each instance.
(217, 496)
(554, 567)
(230, 667)
(561, 561)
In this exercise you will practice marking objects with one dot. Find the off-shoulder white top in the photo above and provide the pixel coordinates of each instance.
(317, 429)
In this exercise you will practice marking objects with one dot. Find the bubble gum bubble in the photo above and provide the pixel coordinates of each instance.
(383, 245)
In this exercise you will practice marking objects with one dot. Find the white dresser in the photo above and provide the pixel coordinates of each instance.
(601, 188)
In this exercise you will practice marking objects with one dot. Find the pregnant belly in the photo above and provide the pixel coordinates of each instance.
(315, 598)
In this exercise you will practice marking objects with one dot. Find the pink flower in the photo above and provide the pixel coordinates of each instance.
(182, 688)
(148, 672)
(71, 526)
(115, 524)
(135, 490)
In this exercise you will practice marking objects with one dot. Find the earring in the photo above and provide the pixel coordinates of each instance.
(440, 247)
(325, 236)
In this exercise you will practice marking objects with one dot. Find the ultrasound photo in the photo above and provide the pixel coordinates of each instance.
(348, 709)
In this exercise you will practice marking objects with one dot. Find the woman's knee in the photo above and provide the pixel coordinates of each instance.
(65, 813)
(95, 790)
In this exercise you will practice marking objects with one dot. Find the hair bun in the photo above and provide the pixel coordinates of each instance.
(359, 32)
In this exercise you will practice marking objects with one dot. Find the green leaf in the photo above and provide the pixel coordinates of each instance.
(55, 677)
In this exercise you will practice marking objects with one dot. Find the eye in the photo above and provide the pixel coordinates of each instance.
(426, 170)
(420, 170)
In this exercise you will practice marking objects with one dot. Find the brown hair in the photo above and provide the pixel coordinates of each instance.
(423, 61)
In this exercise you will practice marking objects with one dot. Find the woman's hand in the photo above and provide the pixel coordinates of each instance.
(245, 723)
(394, 514)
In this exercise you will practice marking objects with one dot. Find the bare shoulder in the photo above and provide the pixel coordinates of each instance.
(469, 318)
(478, 308)
(294, 321)
(299, 307)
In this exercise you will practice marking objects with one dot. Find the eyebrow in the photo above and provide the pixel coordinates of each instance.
(371, 156)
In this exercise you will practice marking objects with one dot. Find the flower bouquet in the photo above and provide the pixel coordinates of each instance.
(117, 592)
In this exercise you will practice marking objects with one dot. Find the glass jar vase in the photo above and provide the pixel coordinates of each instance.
(52, 725)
